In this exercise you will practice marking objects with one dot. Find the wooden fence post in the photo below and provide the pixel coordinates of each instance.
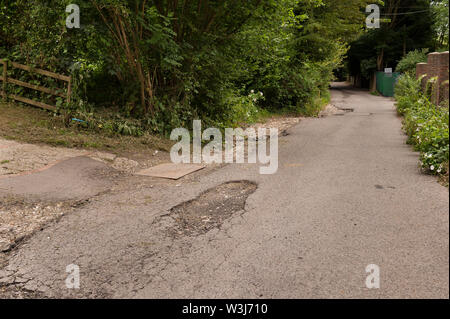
(27, 68)
(69, 91)
(5, 80)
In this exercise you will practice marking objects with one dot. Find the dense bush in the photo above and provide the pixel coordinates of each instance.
(426, 125)
(407, 93)
(408, 63)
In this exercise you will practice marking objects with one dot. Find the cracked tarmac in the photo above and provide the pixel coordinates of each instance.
(348, 193)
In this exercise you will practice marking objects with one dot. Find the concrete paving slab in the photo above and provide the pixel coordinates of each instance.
(171, 170)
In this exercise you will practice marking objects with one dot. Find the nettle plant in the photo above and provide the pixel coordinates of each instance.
(433, 141)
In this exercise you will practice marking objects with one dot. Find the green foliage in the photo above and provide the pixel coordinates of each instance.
(426, 125)
(161, 64)
(407, 93)
(243, 108)
(409, 62)
(441, 23)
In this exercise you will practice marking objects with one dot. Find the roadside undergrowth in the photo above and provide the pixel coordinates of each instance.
(427, 126)
(31, 125)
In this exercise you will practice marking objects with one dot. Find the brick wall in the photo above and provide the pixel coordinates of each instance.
(437, 66)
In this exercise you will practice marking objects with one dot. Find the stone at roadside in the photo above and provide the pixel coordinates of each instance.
(4, 245)
(125, 164)
(104, 157)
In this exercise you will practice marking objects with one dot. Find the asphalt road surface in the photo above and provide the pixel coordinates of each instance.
(348, 193)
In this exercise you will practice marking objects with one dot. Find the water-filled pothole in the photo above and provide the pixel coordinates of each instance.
(211, 208)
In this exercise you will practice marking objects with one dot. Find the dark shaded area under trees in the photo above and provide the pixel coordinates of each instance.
(406, 25)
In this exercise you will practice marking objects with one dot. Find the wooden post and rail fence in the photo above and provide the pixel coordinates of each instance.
(5, 80)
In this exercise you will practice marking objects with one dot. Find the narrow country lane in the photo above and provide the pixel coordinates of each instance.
(348, 193)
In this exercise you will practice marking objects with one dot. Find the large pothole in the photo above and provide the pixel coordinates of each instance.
(210, 209)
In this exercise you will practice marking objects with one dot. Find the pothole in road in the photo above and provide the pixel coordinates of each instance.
(346, 109)
(210, 209)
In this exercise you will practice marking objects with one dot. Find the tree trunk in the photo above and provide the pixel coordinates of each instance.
(373, 82)
(380, 60)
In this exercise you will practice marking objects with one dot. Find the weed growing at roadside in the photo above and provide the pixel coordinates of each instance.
(426, 125)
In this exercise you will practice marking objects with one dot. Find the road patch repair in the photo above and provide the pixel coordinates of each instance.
(18, 158)
(29, 201)
(39, 184)
(75, 178)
